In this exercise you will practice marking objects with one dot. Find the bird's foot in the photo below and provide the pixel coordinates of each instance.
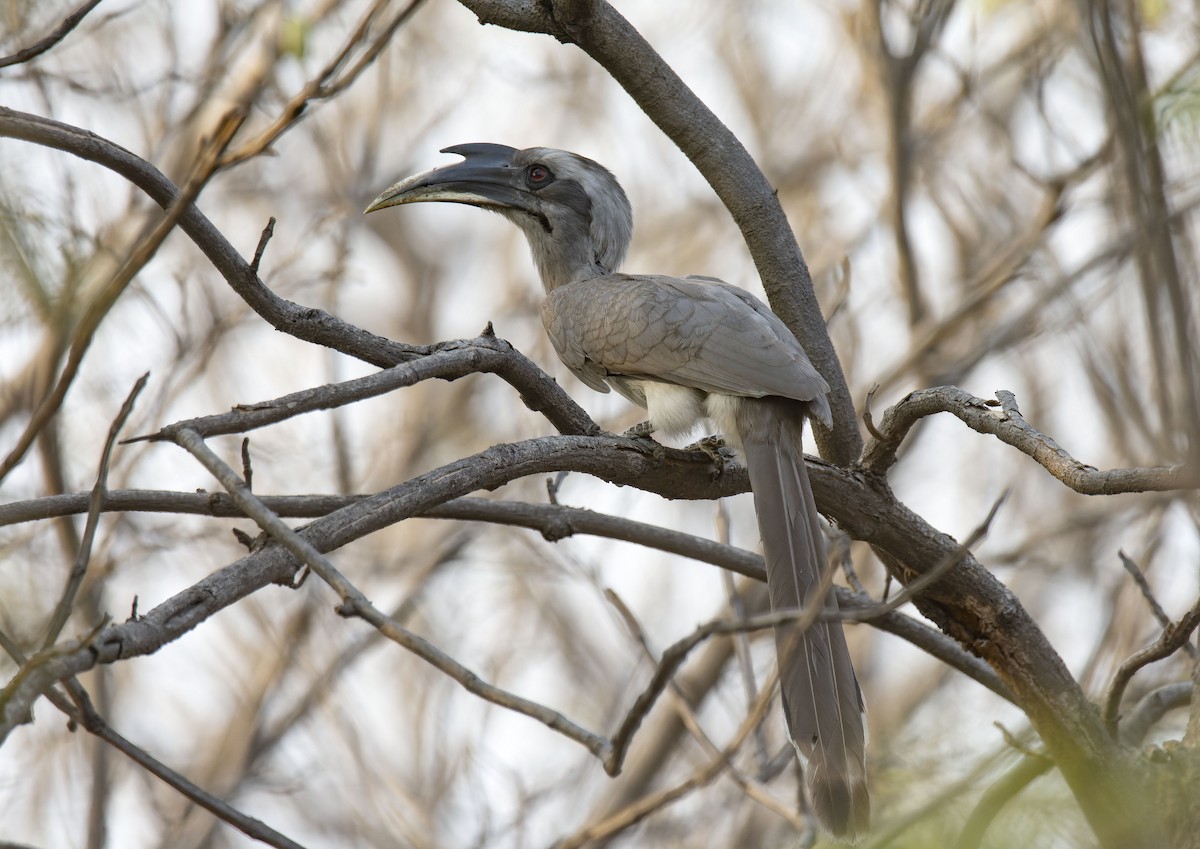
(717, 451)
(641, 430)
(640, 434)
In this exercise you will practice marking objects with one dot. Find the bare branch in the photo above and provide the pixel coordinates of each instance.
(553, 521)
(447, 361)
(1011, 428)
(95, 508)
(60, 32)
(537, 389)
(642, 808)
(752, 788)
(102, 302)
(84, 713)
(1152, 707)
(355, 604)
(267, 233)
(1171, 640)
(1160, 615)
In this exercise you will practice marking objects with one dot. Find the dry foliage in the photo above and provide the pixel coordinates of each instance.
(997, 201)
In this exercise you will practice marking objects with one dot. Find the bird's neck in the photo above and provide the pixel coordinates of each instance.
(562, 256)
(556, 273)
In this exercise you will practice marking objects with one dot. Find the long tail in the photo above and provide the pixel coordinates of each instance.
(821, 698)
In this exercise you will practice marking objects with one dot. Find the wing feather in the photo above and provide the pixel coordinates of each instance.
(695, 332)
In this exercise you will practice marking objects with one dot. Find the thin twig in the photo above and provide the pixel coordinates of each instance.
(868, 417)
(751, 788)
(1173, 637)
(741, 642)
(644, 807)
(83, 713)
(840, 553)
(267, 233)
(60, 32)
(1152, 707)
(675, 654)
(1139, 578)
(247, 466)
(95, 508)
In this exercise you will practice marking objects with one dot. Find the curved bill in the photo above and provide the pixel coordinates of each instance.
(486, 177)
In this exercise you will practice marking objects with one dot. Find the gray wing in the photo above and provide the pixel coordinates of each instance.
(695, 332)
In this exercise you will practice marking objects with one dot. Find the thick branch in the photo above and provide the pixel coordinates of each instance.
(356, 604)
(619, 460)
(967, 602)
(554, 522)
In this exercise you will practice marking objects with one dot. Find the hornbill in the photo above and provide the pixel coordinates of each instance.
(688, 349)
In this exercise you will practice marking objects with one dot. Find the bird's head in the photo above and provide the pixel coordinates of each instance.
(571, 209)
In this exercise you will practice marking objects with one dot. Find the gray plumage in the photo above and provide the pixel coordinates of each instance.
(687, 349)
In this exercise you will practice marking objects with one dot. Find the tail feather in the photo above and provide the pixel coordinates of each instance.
(821, 698)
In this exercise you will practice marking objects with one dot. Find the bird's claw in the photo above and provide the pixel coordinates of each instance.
(641, 430)
(640, 434)
(716, 450)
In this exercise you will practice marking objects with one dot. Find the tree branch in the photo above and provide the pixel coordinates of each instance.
(1010, 427)
(554, 522)
(84, 713)
(1152, 707)
(446, 361)
(537, 389)
(1172, 639)
(95, 507)
(60, 32)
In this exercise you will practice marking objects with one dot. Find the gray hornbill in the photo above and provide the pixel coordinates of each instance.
(687, 349)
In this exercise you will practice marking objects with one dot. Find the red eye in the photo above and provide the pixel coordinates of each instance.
(539, 174)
